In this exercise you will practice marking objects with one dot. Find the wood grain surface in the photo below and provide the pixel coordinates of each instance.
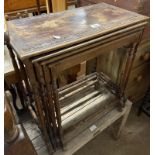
(35, 35)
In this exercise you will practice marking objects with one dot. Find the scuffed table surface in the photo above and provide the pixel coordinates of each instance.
(38, 35)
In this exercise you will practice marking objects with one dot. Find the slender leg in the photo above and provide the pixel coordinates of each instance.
(10, 128)
(131, 52)
(38, 6)
(20, 93)
(38, 103)
(14, 97)
(140, 109)
(26, 81)
(20, 87)
(128, 106)
(13, 93)
(56, 101)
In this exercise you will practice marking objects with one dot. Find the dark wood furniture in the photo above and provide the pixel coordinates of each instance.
(15, 137)
(11, 80)
(48, 47)
(15, 78)
(139, 6)
(56, 5)
(59, 5)
(112, 63)
(145, 105)
(13, 7)
(72, 2)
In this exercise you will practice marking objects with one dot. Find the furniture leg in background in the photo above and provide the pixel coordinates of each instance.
(16, 139)
(124, 119)
(145, 105)
(55, 5)
(12, 75)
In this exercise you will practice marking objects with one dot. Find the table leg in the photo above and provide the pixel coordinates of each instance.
(56, 102)
(38, 102)
(131, 52)
(128, 106)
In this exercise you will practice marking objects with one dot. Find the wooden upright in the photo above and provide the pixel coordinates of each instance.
(55, 5)
(16, 141)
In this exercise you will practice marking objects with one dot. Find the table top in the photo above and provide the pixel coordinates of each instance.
(37, 35)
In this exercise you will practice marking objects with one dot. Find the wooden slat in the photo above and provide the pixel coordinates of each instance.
(84, 110)
(70, 100)
(88, 84)
(87, 122)
(77, 83)
(76, 103)
(73, 85)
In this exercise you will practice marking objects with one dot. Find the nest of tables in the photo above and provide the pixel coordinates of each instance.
(47, 45)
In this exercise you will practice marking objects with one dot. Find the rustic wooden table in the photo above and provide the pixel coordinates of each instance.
(49, 44)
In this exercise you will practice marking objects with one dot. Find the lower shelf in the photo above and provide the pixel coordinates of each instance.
(87, 122)
(84, 102)
(96, 126)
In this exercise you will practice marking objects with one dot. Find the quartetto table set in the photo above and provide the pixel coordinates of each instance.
(47, 45)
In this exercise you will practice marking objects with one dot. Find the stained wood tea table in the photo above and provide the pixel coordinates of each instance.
(47, 45)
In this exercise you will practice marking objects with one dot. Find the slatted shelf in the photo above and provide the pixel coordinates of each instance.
(84, 102)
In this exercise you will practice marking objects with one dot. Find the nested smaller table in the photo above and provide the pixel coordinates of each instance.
(47, 45)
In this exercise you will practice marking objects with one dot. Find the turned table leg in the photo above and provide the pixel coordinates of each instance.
(56, 102)
(131, 53)
(128, 106)
(16, 141)
(10, 129)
